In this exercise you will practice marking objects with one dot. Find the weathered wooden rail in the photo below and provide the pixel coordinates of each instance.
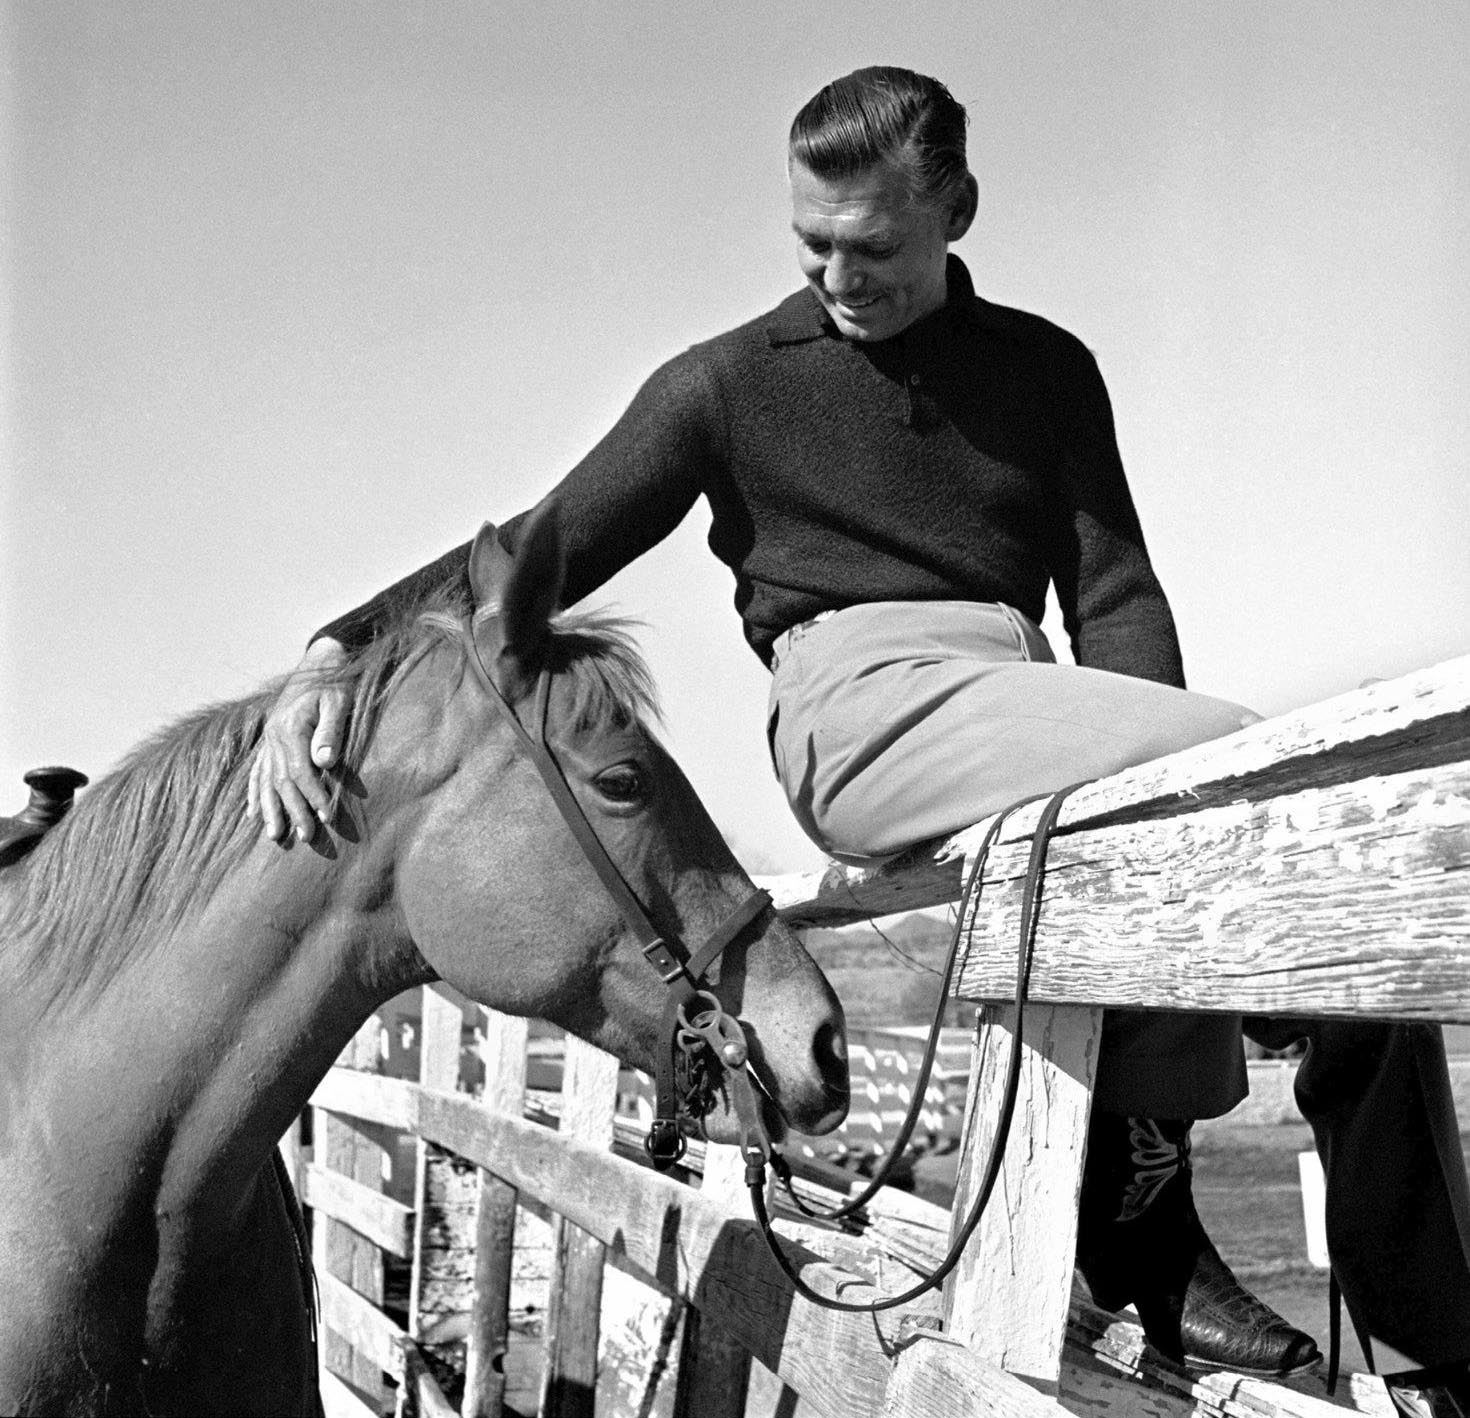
(1317, 864)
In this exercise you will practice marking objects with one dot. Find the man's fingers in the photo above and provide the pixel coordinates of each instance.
(326, 741)
(302, 783)
(272, 816)
(303, 818)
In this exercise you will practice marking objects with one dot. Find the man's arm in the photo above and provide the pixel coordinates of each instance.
(624, 497)
(1113, 606)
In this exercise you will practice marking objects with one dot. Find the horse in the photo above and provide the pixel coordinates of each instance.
(173, 986)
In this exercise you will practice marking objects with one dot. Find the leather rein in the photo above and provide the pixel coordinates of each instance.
(700, 1040)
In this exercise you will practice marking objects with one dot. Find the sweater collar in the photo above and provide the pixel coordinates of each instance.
(800, 318)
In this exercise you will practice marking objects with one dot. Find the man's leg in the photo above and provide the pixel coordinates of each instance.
(891, 728)
(1398, 1207)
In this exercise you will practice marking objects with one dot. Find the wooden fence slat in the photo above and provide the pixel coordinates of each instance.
(362, 1323)
(694, 1247)
(504, 1052)
(339, 1252)
(935, 1375)
(1106, 1360)
(714, 1367)
(388, 1224)
(368, 1097)
(441, 1024)
(1009, 1296)
(419, 1392)
(714, 1370)
(373, 1334)
(1347, 900)
(1420, 720)
(340, 1401)
(574, 1314)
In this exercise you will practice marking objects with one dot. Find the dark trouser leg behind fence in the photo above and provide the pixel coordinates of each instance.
(1398, 1206)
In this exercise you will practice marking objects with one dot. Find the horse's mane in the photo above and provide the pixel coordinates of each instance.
(156, 837)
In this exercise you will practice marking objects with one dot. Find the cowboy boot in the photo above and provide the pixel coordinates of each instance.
(1140, 1242)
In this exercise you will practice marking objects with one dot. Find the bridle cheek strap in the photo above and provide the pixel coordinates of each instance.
(719, 1031)
(684, 1029)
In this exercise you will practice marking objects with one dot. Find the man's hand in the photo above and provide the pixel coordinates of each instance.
(302, 734)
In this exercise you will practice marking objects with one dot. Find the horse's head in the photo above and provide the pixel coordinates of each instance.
(499, 896)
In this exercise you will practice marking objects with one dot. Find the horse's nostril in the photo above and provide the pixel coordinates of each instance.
(829, 1047)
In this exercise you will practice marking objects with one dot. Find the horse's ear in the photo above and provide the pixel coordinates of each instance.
(489, 565)
(526, 586)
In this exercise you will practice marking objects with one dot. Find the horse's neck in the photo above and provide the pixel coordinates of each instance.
(184, 1070)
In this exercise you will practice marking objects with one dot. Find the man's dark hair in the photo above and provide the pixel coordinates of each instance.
(884, 115)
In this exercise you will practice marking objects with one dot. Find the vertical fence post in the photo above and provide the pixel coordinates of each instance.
(589, 1097)
(714, 1370)
(352, 1149)
(441, 1023)
(495, 1224)
(1009, 1295)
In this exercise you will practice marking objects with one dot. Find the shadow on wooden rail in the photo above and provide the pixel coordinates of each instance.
(1314, 864)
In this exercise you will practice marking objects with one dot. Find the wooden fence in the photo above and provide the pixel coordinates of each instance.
(1315, 864)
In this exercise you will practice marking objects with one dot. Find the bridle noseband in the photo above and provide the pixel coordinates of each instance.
(700, 1041)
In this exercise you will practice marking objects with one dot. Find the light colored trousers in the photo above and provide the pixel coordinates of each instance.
(898, 721)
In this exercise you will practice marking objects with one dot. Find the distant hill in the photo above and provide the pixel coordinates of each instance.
(887, 972)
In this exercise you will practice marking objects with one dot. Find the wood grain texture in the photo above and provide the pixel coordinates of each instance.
(388, 1224)
(1008, 1298)
(1420, 721)
(340, 1401)
(440, 1026)
(504, 1053)
(353, 1149)
(696, 1248)
(1107, 1371)
(574, 1314)
(368, 1097)
(934, 1375)
(1351, 900)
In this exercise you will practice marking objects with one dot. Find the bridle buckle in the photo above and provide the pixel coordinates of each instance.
(665, 1143)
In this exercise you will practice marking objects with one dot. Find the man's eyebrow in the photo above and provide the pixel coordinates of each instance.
(883, 237)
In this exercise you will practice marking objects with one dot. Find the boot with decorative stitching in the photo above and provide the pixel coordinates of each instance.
(1140, 1242)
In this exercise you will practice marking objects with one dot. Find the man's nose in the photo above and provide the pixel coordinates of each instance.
(843, 275)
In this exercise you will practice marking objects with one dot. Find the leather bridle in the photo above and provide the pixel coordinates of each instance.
(699, 1039)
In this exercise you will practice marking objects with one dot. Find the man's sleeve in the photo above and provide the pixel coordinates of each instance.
(624, 497)
(1113, 606)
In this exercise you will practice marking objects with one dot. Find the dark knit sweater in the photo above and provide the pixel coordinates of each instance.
(971, 457)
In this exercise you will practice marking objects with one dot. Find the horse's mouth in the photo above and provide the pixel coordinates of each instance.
(724, 1124)
(820, 1116)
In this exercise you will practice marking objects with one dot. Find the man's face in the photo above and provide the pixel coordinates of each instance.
(873, 253)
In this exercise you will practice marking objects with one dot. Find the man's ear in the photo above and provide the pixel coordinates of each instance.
(525, 586)
(962, 210)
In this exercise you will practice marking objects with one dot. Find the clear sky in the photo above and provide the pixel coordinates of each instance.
(298, 294)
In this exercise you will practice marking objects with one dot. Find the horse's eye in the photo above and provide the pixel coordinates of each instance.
(623, 783)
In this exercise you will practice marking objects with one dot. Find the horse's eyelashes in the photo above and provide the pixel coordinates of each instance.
(626, 783)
